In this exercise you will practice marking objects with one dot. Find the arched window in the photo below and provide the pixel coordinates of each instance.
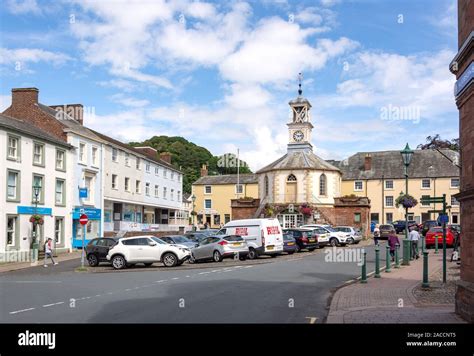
(267, 188)
(291, 178)
(322, 184)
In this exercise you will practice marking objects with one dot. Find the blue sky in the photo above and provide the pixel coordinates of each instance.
(221, 73)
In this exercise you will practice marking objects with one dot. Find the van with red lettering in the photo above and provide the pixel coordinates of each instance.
(263, 236)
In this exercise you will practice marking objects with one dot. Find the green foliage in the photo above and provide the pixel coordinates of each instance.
(189, 158)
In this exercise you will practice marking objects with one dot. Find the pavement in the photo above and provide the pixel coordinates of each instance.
(398, 297)
(61, 257)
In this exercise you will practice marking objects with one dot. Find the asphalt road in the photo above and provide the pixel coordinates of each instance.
(287, 289)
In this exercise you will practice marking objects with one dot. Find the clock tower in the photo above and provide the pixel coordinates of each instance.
(300, 127)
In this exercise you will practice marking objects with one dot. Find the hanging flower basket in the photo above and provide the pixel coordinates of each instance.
(406, 200)
(37, 219)
(306, 210)
(269, 211)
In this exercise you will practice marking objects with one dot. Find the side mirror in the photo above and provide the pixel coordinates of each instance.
(152, 244)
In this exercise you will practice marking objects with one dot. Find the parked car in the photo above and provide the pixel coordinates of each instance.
(355, 234)
(147, 250)
(437, 232)
(305, 238)
(427, 225)
(196, 236)
(179, 240)
(217, 248)
(335, 238)
(97, 249)
(385, 230)
(289, 243)
(263, 236)
(399, 225)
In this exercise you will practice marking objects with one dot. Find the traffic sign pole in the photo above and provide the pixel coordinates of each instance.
(83, 220)
(444, 238)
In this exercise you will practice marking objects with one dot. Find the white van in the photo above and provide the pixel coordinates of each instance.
(263, 236)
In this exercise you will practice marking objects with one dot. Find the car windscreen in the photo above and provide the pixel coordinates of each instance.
(158, 240)
(287, 237)
(436, 229)
(329, 228)
(233, 238)
(385, 227)
(180, 239)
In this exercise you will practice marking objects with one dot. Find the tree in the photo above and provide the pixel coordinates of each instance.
(436, 142)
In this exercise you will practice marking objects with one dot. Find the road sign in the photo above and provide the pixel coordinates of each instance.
(83, 219)
(443, 218)
(83, 192)
(432, 200)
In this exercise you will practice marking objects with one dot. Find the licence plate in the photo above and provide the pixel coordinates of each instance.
(311, 240)
(236, 244)
(291, 243)
(269, 247)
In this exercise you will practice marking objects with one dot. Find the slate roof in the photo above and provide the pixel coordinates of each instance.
(304, 159)
(247, 178)
(389, 164)
(26, 128)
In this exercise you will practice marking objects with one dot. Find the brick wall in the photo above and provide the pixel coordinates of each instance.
(244, 209)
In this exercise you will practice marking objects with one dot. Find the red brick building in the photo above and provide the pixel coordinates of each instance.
(463, 67)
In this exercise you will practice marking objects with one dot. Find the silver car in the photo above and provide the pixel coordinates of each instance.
(355, 234)
(218, 247)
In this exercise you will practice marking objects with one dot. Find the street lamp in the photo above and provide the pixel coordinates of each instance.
(193, 198)
(35, 244)
(407, 155)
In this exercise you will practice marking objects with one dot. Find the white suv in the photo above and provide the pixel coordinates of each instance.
(335, 238)
(146, 250)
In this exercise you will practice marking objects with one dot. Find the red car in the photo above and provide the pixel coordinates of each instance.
(437, 231)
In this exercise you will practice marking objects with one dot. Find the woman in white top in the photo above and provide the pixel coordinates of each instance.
(376, 234)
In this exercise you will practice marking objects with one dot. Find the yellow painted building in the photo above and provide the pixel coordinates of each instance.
(380, 177)
(213, 195)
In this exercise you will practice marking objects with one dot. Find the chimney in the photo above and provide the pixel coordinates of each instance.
(165, 156)
(148, 151)
(76, 111)
(368, 162)
(23, 97)
(203, 170)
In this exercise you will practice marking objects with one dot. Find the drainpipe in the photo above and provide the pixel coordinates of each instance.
(383, 197)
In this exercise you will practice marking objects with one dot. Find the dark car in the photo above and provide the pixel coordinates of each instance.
(289, 243)
(97, 249)
(427, 225)
(399, 225)
(386, 230)
(305, 238)
(179, 240)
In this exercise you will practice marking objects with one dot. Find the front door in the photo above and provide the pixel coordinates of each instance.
(290, 193)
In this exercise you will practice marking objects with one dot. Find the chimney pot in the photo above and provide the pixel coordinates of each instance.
(204, 171)
(368, 162)
(24, 96)
(165, 156)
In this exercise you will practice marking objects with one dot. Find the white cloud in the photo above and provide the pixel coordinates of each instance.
(33, 55)
(5, 102)
(128, 101)
(23, 6)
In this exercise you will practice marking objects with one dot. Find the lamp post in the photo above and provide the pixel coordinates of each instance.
(407, 155)
(34, 242)
(193, 198)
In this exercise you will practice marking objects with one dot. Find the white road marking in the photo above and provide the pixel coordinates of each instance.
(312, 319)
(98, 295)
(175, 278)
(188, 276)
(204, 272)
(161, 281)
(247, 267)
(50, 305)
(21, 311)
(127, 290)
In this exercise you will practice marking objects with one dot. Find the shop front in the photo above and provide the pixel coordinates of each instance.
(92, 228)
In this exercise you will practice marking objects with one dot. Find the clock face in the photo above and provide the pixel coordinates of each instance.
(298, 135)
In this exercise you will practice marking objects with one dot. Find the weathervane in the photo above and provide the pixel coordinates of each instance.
(300, 79)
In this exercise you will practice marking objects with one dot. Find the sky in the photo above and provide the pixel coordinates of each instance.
(221, 73)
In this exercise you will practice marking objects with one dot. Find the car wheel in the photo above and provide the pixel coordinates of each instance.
(356, 242)
(291, 252)
(192, 259)
(170, 259)
(252, 254)
(311, 249)
(273, 256)
(333, 242)
(216, 256)
(93, 260)
(350, 241)
(148, 264)
(298, 249)
(118, 262)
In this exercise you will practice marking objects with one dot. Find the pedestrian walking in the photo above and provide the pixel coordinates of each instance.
(48, 252)
(414, 237)
(376, 234)
(393, 241)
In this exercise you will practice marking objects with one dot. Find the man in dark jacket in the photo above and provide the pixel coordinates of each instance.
(393, 242)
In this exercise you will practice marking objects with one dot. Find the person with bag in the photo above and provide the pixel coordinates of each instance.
(48, 252)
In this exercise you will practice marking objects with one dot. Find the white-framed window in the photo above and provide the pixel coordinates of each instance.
(172, 175)
(165, 173)
(127, 184)
(179, 177)
(389, 201)
(60, 160)
(95, 158)
(127, 159)
(157, 191)
(389, 218)
(426, 184)
(165, 191)
(207, 189)
(60, 193)
(455, 183)
(89, 185)
(172, 194)
(38, 154)
(147, 189)
(425, 203)
(138, 187)
(322, 185)
(38, 181)
(147, 167)
(239, 189)
(12, 228)
(13, 150)
(178, 196)
(454, 201)
(138, 163)
(157, 170)
(389, 184)
(114, 155)
(358, 186)
(82, 152)
(58, 230)
(13, 185)
(114, 181)
(207, 204)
